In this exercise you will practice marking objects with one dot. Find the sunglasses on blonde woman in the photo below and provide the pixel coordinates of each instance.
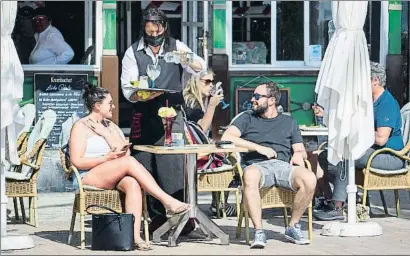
(207, 81)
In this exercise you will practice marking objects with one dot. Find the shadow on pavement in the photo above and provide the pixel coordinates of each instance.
(61, 237)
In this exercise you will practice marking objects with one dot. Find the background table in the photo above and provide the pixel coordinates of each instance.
(312, 131)
(177, 223)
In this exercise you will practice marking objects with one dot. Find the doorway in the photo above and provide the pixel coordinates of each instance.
(186, 23)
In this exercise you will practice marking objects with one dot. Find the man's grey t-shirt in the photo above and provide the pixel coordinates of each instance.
(278, 133)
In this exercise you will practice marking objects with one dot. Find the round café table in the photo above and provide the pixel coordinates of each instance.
(177, 223)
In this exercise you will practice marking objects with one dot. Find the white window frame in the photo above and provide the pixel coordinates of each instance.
(88, 40)
(275, 65)
(305, 65)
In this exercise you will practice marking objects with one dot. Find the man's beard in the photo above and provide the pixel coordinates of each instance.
(260, 109)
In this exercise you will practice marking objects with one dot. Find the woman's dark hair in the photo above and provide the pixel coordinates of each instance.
(93, 94)
(151, 11)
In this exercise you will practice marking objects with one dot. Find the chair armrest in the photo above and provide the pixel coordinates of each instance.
(400, 154)
(26, 162)
(37, 146)
(321, 146)
(78, 177)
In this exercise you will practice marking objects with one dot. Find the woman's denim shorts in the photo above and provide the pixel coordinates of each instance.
(75, 181)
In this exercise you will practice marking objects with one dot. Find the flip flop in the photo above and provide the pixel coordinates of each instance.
(179, 211)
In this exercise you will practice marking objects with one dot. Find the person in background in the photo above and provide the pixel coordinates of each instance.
(200, 108)
(387, 128)
(146, 125)
(275, 158)
(97, 149)
(23, 33)
(50, 48)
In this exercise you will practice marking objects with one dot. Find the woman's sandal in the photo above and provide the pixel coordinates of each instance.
(179, 211)
(141, 245)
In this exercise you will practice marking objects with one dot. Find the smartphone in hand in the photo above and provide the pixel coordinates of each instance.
(224, 144)
(126, 147)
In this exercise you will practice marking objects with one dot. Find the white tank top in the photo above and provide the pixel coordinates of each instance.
(96, 146)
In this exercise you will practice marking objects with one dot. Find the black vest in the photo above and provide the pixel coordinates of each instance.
(146, 125)
(170, 76)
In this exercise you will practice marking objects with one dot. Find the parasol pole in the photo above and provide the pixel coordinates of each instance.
(351, 190)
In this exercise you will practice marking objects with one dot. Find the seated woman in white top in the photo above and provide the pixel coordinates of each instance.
(50, 46)
(95, 145)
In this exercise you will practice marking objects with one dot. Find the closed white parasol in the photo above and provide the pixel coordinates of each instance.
(344, 90)
(12, 78)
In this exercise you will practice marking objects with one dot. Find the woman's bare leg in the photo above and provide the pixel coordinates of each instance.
(133, 202)
(108, 174)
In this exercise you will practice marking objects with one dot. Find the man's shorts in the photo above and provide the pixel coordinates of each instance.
(275, 173)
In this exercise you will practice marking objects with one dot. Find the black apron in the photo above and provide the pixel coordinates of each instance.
(147, 129)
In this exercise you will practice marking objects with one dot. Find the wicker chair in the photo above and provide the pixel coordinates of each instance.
(27, 188)
(88, 195)
(376, 179)
(273, 197)
(218, 181)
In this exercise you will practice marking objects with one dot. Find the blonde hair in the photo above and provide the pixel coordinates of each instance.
(192, 94)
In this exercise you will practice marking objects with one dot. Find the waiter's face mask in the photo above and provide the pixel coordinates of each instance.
(155, 31)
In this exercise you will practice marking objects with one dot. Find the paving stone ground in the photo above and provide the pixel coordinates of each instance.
(55, 215)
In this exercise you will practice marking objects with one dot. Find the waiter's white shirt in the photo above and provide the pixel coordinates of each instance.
(50, 48)
(130, 70)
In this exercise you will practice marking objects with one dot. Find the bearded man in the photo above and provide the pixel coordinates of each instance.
(275, 158)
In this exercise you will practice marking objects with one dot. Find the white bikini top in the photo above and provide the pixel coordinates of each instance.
(96, 146)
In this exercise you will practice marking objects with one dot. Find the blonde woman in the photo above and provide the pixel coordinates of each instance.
(200, 108)
(199, 104)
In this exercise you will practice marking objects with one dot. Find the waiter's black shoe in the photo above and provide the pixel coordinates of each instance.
(156, 223)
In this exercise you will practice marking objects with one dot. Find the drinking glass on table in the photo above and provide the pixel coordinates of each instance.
(217, 89)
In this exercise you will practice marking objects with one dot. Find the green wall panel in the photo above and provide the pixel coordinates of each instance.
(395, 29)
(219, 1)
(110, 36)
(302, 89)
(219, 27)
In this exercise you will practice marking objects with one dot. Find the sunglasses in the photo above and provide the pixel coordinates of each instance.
(257, 96)
(207, 81)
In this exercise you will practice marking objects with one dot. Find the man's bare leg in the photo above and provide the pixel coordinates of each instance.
(252, 177)
(304, 182)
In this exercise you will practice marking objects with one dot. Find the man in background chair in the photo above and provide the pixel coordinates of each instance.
(387, 128)
(271, 138)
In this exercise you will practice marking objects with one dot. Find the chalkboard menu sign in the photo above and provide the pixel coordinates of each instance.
(62, 93)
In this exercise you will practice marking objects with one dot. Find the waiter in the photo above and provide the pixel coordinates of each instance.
(146, 125)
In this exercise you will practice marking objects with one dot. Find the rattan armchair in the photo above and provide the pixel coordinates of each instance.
(376, 179)
(26, 188)
(273, 197)
(218, 181)
(87, 195)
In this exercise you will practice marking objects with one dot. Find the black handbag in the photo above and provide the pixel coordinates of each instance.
(112, 231)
